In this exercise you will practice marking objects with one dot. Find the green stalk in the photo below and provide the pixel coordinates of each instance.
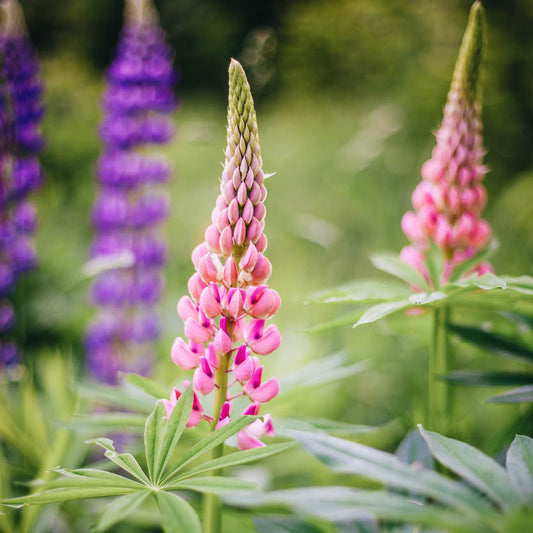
(212, 503)
(440, 360)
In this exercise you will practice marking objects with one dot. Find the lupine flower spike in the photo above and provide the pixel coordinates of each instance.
(129, 205)
(450, 198)
(230, 302)
(21, 111)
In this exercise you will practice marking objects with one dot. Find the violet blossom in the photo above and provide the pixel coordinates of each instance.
(130, 205)
(226, 314)
(21, 110)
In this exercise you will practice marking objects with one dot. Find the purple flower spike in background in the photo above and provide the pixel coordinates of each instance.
(129, 206)
(450, 198)
(21, 111)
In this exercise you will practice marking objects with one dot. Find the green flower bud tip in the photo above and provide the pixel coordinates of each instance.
(467, 73)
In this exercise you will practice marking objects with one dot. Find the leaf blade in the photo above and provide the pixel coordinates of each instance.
(177, 514)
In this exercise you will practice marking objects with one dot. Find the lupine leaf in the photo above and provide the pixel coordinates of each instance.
(172, 432)
(520, 283)
(343, 503)
(414, 450)
(519, 464)
(285, 425)
(285, 524)
(149, 386)
(236, 458)
(153, 433)
(474, 466)
(489, 379)
(392, 264)
(177, 515)
(487, 282)
(518, 395)
(493, 342)
(434, 264)
(89, 477)
(363, 291)
(120, 509)
(128, 398)
(349, 457)
(213, 439)
(126, 461)
(213, 485)
(105, 422)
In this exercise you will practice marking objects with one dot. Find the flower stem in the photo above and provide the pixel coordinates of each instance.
(212, 503)
(439, 391)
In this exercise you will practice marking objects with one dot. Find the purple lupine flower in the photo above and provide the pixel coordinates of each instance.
(130, 205)
(450, 198)
(230, 301)
(21, 111)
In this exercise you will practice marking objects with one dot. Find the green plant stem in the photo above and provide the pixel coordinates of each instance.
(439, 391)
(212, 503)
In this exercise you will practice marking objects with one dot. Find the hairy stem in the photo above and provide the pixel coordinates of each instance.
(439, 391)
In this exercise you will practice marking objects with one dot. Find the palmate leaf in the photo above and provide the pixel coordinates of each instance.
(177, 515)
(149, 386)
(153, 431)
(474, 466)
(349, 457)
(518, 395)
(284, 426)
(123, 396)
(519, 464)
(343, 504)
(108, 422)
(363, 292)
(392, 264)
(120, 509)
(213, 485)
(494, 343)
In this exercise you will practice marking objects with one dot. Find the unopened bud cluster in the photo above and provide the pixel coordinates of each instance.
(21, 111)
(129, 207)
(450, 198)
(226, 314)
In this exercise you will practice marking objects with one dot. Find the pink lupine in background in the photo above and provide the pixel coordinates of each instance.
(449, 200)
(229, 305)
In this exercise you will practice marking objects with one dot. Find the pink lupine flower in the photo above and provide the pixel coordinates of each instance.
(225, 315)
(449, 199)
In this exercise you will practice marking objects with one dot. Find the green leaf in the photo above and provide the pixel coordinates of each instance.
(149, 386)
(104, 422)
(474, 466)
(213, 439)
(518, 395)
(520, 283)
(285, 425)
(350, 457)
(122, 396)
(486, 282)
(382, 310)
(519, 464)
(343, 503)
(213, 485)
(489, 379)
(120, 509)
(285, 524)
(363, 291)
(177, 515)
(126, 461)
(89, 477)
(237, 458)
(153, 433)
(414, 450)
(461, 269)
(392, 264)
(70, 493)
(493, 343)
(172, 432)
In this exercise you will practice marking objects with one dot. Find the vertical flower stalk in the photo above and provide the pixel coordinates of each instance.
(225, 315)
(130, 205)
(21, 111)
(449, 200)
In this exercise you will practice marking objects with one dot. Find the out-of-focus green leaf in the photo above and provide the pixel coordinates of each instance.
(486, 282)
(518, 395)
(208, 443)
(125, 397)
(172, 431)
(285, 524)
(213, 485)
(520, 283)
(177, 515)
(349, 457)
(489, 379)
(120, 509)
(474, 466)
(126, 461)
(434, 264)
(108, 422)
(232, 459)
(471, 263)
(285, 425)
(363, 291)
(519, 464)
(149, 386)
(493, 343)
(413, 450)
(392, 264)
(343, 503)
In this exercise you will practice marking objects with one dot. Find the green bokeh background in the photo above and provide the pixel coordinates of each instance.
(347, 94)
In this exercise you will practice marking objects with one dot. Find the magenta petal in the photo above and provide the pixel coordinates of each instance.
(266, 391)
(183, 356)
(247, 442)
(269, 342)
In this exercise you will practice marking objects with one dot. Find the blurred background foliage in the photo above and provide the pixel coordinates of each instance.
(348, 93)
